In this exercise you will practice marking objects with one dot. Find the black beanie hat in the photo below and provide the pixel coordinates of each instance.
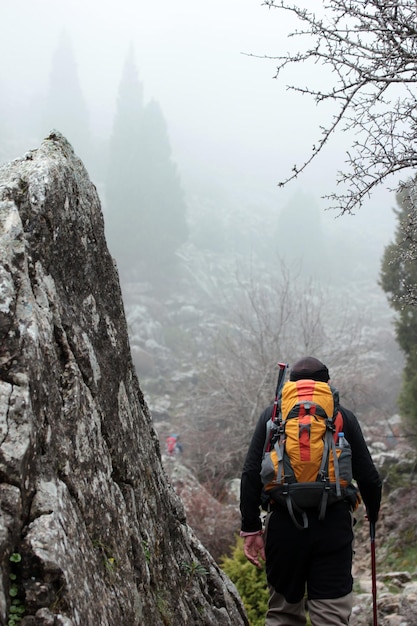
(309, 367)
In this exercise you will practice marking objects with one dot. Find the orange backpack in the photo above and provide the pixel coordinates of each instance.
(305, 465)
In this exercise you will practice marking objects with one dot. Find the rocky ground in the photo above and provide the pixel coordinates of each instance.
(396, 575)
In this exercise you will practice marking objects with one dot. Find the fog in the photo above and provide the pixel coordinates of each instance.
(232, 126)
(235, 132)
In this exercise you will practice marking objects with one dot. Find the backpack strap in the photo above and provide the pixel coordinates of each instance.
(337, 414)
(329, 444)
(291, 506)
(336, 467)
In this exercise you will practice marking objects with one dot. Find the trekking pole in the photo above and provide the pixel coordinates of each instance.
(373, 565)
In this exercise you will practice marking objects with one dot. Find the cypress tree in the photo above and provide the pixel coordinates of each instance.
(65, 108)
(123, 186)
(299, 237)
(146, 210)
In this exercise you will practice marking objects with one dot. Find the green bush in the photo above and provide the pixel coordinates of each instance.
(250, 583)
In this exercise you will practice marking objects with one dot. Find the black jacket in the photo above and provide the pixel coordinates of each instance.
(363, 468)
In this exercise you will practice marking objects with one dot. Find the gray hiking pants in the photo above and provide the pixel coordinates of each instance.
(334, 612)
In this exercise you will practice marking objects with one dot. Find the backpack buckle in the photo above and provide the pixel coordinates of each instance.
(326, 481)
(330, 425)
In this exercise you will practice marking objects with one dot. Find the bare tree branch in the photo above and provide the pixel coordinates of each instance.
(370, 48)
(268, 321)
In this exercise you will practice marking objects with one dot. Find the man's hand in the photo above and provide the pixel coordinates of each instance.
(254, 549)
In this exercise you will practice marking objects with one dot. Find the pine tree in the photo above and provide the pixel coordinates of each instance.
(146, 210)
(399, 281)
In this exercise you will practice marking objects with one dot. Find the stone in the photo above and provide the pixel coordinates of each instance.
(100, 536)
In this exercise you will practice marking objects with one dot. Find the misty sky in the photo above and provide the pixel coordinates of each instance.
(230, 123)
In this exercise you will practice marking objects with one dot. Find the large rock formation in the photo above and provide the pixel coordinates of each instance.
(90, 531)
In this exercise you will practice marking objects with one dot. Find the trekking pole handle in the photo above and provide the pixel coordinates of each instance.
(372, 530)
(280, 382)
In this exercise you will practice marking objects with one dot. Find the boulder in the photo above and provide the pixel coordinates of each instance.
(90, 530)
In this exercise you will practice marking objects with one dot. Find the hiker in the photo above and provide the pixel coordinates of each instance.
(171, 443)
(179, 449)
(310, 558)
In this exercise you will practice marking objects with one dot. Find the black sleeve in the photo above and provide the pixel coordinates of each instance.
(364, 470)
(251, 484)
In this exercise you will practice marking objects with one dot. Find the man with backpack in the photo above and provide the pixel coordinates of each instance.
(308, 536)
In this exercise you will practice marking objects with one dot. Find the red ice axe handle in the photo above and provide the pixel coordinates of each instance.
(280, 382)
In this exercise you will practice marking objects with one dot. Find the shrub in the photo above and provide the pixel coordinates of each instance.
(250, 583)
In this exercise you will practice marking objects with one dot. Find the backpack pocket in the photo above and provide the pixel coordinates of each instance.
(344, 457)
(268, 468)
